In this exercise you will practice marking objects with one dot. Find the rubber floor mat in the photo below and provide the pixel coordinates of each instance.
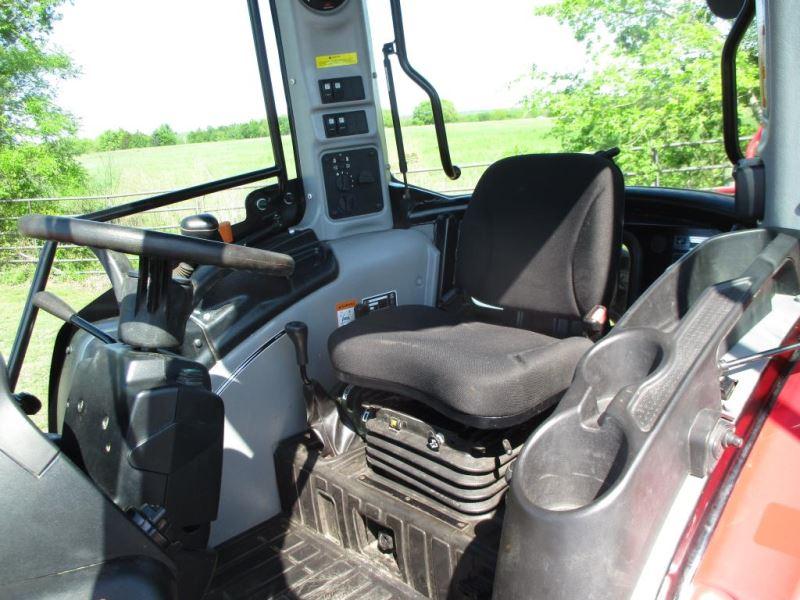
(287, 561)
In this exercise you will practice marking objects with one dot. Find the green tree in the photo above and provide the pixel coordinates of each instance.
(164, 136)
(423, 113)
(120, 139)
(37, 155)
(652, 79)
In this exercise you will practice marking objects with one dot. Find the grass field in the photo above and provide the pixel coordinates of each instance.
(170, 167)
(144, 170)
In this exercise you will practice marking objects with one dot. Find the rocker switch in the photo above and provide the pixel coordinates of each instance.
(330, 126)
(327, 92)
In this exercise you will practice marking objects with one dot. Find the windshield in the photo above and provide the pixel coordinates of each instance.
(575, 76)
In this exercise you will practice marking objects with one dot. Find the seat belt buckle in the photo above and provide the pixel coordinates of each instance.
(594, 322)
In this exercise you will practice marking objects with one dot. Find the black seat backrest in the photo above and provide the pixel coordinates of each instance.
(542, 235)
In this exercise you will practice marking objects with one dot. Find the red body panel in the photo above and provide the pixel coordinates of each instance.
(754, 551)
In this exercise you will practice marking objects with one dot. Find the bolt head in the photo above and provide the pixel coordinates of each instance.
(731, 439)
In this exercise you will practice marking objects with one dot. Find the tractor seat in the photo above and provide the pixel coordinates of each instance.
(540, 239)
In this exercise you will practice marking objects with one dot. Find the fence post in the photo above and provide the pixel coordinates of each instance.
(657, 164)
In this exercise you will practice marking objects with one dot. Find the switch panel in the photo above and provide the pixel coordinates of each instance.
(352, 183)
(342, 89)
(348, 123)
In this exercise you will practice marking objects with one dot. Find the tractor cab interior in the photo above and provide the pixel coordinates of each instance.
(369, 387)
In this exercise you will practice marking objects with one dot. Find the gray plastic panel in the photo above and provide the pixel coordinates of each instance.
(593, 485)
(306, 35)
(259, 381)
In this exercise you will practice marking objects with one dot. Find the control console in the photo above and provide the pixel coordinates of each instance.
(352, 183)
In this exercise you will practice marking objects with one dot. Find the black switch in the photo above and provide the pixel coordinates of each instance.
(330, 126)
(327, 92)
(341, 125)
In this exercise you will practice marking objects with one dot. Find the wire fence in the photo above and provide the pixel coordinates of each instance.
(18, 251)
(658, 175)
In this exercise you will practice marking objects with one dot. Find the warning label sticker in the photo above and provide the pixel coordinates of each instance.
(325, 61)
(345, 312)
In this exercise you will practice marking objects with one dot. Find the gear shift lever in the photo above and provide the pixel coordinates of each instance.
(298, 333)
(329, 423)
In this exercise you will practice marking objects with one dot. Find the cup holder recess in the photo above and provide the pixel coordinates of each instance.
(596, 459)
(571, 462)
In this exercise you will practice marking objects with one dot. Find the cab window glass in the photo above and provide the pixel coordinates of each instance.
(166, 96)
(569, 75)
(134, 99)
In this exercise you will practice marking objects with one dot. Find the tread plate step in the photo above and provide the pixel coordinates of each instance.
(283, 560)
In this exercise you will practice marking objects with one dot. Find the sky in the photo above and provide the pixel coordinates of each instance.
(190, 63)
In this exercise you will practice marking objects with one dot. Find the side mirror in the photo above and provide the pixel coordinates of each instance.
(726, 9)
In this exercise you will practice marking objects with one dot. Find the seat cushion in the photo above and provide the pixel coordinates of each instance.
(479, 374)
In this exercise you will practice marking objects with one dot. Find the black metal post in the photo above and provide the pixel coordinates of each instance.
(266, 89)
(132, 208)
(388, 49)
(452, 171)
(30, 312)
(730, 104)
(298, 168)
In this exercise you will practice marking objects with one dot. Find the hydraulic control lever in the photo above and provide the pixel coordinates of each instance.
(61, 310)
(326, 418)
(298, 333)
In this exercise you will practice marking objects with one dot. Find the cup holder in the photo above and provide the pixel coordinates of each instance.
(622, 360)
(570, 466)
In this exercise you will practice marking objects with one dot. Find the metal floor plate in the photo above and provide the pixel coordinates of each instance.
(287, 561)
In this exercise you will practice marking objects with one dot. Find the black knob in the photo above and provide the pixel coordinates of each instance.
(29, 403)
(203, 226)
(298, 333)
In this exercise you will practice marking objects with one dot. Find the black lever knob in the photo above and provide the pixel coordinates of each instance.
(29, 403)
(203, 226)
(298, 333)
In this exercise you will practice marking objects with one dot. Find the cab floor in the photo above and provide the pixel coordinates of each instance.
(283, 560)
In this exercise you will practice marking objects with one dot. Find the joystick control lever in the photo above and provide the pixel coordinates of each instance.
(326, 418)
(298, 334)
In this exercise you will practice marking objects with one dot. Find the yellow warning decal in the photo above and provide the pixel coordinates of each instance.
(345, 312)
(326, 61)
